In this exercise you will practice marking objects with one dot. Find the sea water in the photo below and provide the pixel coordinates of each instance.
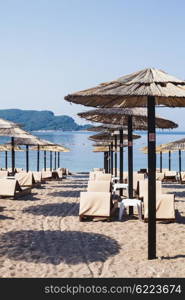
(82, 159)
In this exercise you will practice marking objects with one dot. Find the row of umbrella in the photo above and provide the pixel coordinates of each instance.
(146, 88)
(22, 137)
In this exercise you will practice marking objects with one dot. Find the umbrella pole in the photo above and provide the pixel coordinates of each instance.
(169, 160)
(112, 158)
(58, 159)
(50, 160)
(27, 158)
(13, 156)
(180, 165)
(6, 160)
(130, 163)
(115, 156)
(109, 161)
(161, 161)
(55, 160)
(38, 157)
(151, 178)
(121, 160)
(44, 160)
(106, 162)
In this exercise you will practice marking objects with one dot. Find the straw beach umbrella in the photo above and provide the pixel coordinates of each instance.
(178, 145)
(148, 87)
(112, 136)
(31, 142)
(51, 147)
(11, 129)
(133, 118)
(6, 148)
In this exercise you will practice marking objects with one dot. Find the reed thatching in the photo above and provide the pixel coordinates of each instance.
(53, 147)
(132, 91)
(7, 147)
(119, 116)
(32, 141)
(15, 132)
(106, 127)
(102, 136)
(8, 124)
(158, 149)
(174, 146)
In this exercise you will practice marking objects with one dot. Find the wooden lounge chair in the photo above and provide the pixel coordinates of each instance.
(102, 177)
(26, 179)
(96, 205)
(3, 174)
(170, 176)
(11, 188)
(98, 169)
(46, 175)
(165, 209)
(99, 186)
(37, 175)
(92, 174)
(60, 173)
(160, 176)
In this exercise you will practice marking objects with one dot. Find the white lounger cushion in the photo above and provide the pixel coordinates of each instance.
(98, 186)
(25, 178)
(7, 187)
(3, 174)
(165, 208)
(95, 204)
(170, 173)
(159, 176)
(46, 174)
(101, 177)
(37, 176)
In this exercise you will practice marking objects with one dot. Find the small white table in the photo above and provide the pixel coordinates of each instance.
(130, 202)
(118, 186)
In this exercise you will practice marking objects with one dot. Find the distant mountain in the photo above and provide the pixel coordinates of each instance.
(40, 120)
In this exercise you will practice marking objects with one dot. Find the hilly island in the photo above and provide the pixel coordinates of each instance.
(40, 120)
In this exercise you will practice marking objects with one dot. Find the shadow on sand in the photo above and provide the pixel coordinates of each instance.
(54, 209)
(55, 247)
(66, 194)
(5, 218)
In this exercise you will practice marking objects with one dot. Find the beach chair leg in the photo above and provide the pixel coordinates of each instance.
(139, 212)
(121, 211)
(81, 218)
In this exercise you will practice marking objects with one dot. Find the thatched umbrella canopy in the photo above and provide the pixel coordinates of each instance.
(148, 87)
(8, 147)
(106, 127)
(120, 116)
(133, 90)
(178, 145)
(160, 150)
(8, 128)
(102, 136)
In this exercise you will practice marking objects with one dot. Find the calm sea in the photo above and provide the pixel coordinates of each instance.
(82, 159)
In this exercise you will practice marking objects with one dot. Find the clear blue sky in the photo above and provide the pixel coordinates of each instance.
(49, 48)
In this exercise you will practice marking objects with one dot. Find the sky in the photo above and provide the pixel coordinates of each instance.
(50, 48)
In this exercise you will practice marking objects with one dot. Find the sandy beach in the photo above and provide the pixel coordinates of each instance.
(41, 236)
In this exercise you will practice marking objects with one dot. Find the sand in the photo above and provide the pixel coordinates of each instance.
(41, 236)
